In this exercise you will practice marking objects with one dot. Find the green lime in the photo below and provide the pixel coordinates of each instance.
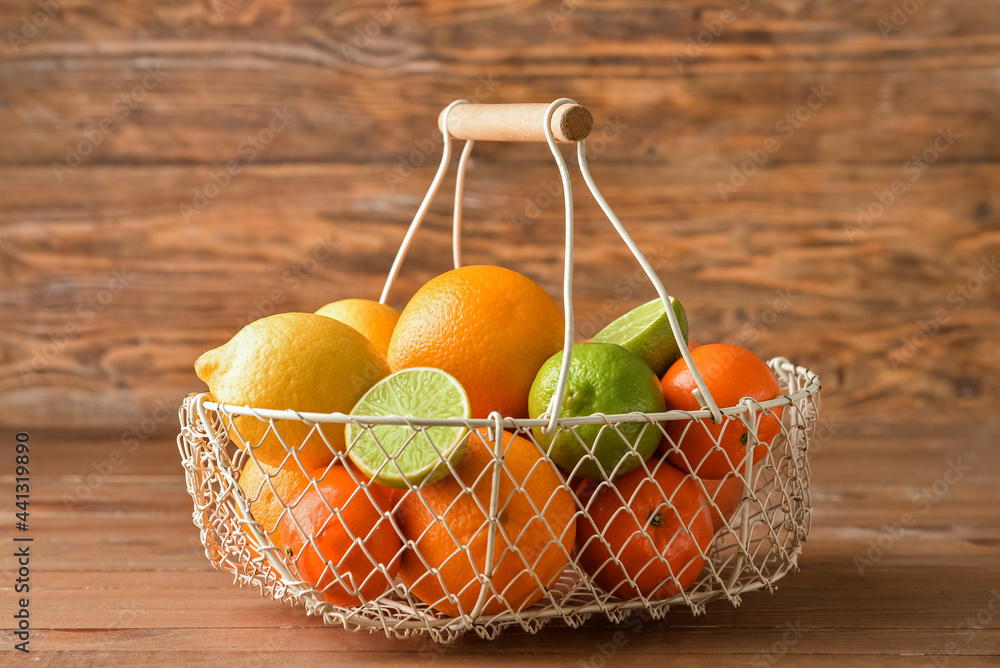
(603, 378)
(645, 330)
(402, 456)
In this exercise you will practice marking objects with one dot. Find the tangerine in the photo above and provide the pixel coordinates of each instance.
(727, 494)
(449, 525)
(730, 374)
(652, 530)
(269, 490)
(358, 546)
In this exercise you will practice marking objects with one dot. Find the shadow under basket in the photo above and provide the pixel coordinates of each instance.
(752, 550)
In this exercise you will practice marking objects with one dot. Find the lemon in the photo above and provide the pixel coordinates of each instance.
(298, 361)
(399, 455)
(603, 378)
(645, 330)
(374, 320)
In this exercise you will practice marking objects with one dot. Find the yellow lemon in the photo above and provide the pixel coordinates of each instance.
(301, 361)
(376, 321)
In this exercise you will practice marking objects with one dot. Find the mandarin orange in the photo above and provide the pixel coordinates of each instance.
(727, 494)
(358, 546)
(730, 373)
(651, 530)
(270, 489)
(450, 529)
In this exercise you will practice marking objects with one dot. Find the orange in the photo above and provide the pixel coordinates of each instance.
(353, 540)
(374, 320)
(730, 373)
(727, 495)
(672, 511)
(489, 327)
(450, 530)
(267, 504)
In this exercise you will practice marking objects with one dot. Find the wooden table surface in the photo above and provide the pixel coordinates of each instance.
(119, 576)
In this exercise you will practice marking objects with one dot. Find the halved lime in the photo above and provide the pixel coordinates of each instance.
(645, 330)
(402, 456)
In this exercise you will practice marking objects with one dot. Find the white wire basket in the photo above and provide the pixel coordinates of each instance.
(488, 573)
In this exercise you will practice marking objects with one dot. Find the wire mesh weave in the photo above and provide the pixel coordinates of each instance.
(754, 548)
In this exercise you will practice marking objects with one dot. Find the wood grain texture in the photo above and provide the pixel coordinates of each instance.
(122, 578)
(111, 287)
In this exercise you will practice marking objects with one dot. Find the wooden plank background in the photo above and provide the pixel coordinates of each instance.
(110, 291)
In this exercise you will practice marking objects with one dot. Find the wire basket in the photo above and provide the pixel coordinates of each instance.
(477, 567)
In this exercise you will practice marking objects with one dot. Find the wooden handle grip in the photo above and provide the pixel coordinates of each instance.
(518, 122)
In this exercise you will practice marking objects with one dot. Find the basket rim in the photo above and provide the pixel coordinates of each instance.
(811, 386)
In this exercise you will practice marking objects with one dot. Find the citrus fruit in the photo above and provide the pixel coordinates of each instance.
(645, 330)
(399, 455)
(374, 320)
(450, 528)
(489, 327)
(727, 494)
(268, 490)
(297, 361)
(730, 373)
(355, 538)
(650, 531)
(603, 378)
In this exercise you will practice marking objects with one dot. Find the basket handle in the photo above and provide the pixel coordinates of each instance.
(570, 122)
(484, 123)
